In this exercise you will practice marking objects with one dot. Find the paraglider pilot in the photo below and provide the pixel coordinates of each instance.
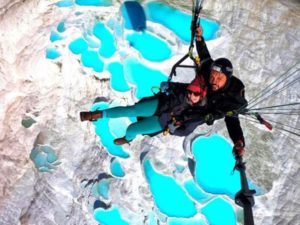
(225, 94)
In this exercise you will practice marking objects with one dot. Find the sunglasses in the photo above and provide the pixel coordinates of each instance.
(196, 94)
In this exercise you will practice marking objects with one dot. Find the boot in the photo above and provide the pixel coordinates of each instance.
(121, 141)
(90, 116)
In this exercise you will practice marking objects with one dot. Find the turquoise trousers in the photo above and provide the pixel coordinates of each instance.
(145, 108)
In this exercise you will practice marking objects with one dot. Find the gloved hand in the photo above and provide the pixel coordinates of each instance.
(164, 86)
(177, 119)
(198, 33)
(172, 127)
(209, 119)
(238, 148)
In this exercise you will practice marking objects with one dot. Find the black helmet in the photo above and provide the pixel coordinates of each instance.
(223, 65)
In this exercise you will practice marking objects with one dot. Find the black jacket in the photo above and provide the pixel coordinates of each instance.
(174, 105)
(229, 98)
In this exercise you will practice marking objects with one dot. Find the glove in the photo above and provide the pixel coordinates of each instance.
(198, 33)
(164, 86)
(209, 119)
(238, 148)
(172, 127)
(177, 119)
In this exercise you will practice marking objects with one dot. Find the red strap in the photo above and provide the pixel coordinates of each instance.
(263, 121)
(268, 125)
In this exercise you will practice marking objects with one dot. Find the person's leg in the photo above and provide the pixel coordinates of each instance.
(144, 108)
(148, 125)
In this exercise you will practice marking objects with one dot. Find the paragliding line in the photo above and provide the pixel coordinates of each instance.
(195, 21)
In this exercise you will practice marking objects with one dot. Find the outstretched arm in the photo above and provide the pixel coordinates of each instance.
(236, 134)
(237, 102)
(204, 55)
(234, 129)
(201, 47)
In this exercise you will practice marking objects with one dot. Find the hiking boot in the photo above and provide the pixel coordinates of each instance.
(121, 141)
(90, 116)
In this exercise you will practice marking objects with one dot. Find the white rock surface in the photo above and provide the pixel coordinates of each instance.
(262, 40)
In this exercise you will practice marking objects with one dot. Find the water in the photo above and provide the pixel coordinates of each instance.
(101, 188)
(55, 37)
(118, 126)
(116, 168)
(107, 39)
(150, 47)
(178, 21)
(91, 40)
(134, 16)
(168, 194)
(195, 192)
(219, 212)
(65, 3)
(152, 219)
(114, 25)
(103, 131)
(214, 159)
(44, 158)
(52, 53)
(61, 27)
(179, 168)
(28, 122)
(117, 78)
(91, 59)
(109, 217)
(192, 221)
(78, 46)
(142, 77)
(94, 2)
